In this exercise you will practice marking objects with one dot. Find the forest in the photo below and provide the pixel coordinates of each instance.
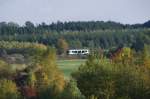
(92, 34)
(118, 66)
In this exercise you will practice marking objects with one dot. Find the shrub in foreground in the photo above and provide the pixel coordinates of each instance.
(104, 80)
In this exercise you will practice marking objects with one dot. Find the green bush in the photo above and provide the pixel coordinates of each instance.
(105, 80)
(71, 91)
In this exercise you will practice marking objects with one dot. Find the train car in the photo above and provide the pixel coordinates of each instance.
(78, 52)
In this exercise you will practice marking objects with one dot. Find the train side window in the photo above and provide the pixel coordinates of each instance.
(79, 52)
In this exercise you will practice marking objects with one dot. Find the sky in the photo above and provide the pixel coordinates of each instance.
(37, 11)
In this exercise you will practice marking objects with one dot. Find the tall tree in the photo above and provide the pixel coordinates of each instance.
(62, 46)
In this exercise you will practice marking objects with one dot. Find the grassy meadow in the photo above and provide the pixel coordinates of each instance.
(69, 66)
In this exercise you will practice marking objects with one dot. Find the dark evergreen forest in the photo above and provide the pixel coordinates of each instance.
(90, 34)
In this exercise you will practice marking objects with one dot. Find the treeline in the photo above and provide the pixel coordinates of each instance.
(97, 39)
(29, 27)
(93, 34)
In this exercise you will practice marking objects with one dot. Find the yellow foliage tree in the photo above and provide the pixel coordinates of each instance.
(62, 46)
(49, 79)
(8, 90)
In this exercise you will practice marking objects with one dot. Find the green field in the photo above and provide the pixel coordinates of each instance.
(69, 66)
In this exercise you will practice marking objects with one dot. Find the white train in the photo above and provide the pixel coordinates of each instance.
(78, 52)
